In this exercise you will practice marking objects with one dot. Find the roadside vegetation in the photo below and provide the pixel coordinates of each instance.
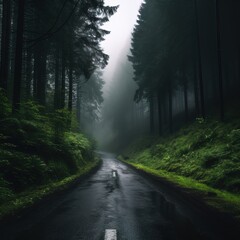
(39, 153)
(204, 156)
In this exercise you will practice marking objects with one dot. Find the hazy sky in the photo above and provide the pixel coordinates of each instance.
(121, 26)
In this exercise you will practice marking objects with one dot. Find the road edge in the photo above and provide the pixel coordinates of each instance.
(195, 197)
(12, 210)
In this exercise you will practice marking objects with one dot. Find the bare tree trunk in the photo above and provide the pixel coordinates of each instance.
(28, 74)
(151, 109)
(220, 80)
(63, 85)
(201, 87)
(5, 43)
(18, 57)
(185, 90)
(79, 102)
(159, 114)
(56, 92)
(170, 106)
(196, 91)
(35, 71)
(70, 90)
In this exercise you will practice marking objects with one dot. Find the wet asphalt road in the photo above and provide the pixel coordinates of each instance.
(115, 197)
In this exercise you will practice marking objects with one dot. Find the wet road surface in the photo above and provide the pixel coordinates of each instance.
(116, 198)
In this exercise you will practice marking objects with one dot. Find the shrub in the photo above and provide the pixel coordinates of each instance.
(5, 107)
(20, 170)
(5, 191)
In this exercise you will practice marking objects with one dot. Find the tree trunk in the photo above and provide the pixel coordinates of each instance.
(40, 74)
(70, 77)
(35, 71)
(42, 79)
(79, 102)
(159, 114)
(151, 109)
(28, 75)
(185, 90)
(18, 57)
(5, 43)
(196, 91)
(56, 92)
(63, 79)
(238, 73)
(220, 76)
(170, 106)
(201, 87)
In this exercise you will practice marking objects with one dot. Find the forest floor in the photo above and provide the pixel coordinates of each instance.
(202, 158)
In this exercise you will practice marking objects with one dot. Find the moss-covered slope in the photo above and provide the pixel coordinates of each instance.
(204, 156)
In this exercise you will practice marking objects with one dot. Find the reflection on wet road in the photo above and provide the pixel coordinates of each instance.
(116, 197)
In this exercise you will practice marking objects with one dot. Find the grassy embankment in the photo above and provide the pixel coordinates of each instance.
(203, 158)
(39, 154)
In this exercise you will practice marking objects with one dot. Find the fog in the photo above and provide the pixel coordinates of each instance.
(122, 119)
(121, 26)
(174, 72)
(118, 106)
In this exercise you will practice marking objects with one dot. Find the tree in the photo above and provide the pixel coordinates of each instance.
(5, 44)
(18, 56)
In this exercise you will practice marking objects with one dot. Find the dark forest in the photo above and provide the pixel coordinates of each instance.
(145, 153)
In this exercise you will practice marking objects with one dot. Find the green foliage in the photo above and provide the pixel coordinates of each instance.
(78, 148)
(61, 123)
(5, 107)
(37, 148)
(31, 111)
(21, 170)
(12, 203)
(58, 169)
(5, 191)
(207, 151)
(11, 127)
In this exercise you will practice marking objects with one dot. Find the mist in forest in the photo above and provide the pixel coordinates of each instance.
(115, 116)
(120, 25)
(182, 64)
(120, 120)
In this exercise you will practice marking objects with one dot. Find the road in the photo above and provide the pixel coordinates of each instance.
(116, 198)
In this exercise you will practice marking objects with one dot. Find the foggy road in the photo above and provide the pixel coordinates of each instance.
(117, 199)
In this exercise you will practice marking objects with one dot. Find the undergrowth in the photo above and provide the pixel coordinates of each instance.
(203, 157)
(207, 151)
(37, 148)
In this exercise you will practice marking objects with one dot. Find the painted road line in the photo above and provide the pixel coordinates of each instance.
(110, 234)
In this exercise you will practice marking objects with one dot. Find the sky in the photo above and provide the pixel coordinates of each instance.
(121, 25)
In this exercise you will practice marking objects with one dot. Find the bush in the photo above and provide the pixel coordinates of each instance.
(58, 169)
(5, 107)
(21, 171)
(61, 123)
(5, 191)
(36, 147)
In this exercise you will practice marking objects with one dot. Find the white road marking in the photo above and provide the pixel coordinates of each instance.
(114, 174)
(110, 234)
